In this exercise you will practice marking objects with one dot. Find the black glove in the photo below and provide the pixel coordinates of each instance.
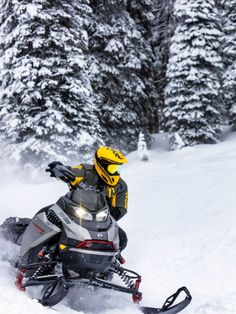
(51, 167)
(57, 170)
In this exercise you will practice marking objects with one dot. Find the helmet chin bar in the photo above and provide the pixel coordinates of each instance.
(111, 180)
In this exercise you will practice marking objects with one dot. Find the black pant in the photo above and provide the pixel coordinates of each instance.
(123, 239)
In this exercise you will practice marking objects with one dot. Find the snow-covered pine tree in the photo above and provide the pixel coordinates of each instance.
(46, 108)
(123, 66)
(161, 37)
(229, 53)
(155, 21)
(193, 95)
(176, 141)
(145, 14)
(142, 148)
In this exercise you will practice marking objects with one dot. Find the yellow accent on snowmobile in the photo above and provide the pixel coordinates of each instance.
(62, 246)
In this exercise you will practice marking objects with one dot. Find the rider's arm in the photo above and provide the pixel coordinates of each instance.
(119, 201)
(79, 173)
(72, 175)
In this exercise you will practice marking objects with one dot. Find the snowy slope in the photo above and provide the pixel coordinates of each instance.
(181, 228)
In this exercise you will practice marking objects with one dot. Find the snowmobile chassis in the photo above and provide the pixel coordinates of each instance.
(60, 284)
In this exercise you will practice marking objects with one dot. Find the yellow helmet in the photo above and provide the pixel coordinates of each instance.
(107, 163)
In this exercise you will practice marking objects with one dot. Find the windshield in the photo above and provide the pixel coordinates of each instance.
(91, 200)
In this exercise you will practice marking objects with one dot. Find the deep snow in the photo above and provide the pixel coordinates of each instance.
(181, 228)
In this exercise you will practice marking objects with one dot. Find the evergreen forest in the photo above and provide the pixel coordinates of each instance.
(77, 74)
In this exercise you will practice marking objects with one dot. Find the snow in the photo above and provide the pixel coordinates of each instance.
(32, 10)
(180, 224)
(114, 46)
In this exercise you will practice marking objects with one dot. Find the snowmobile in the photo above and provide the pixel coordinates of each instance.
(76, 242)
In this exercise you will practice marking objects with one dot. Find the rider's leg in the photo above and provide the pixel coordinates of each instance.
(123, 239)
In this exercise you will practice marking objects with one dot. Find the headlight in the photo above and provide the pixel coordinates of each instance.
(83, 214)
(102, 216)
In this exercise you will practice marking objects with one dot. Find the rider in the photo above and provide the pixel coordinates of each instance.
(103, 175)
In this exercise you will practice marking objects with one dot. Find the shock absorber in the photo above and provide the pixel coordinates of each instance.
(131, 279)
(39, 271)
(45, 255)
(126, 279)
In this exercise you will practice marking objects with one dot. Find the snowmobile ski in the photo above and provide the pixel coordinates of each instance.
(168, 307)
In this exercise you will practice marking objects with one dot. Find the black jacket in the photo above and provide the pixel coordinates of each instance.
(117, 196)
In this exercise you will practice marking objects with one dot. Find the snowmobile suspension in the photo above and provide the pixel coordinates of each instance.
(131, 279)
